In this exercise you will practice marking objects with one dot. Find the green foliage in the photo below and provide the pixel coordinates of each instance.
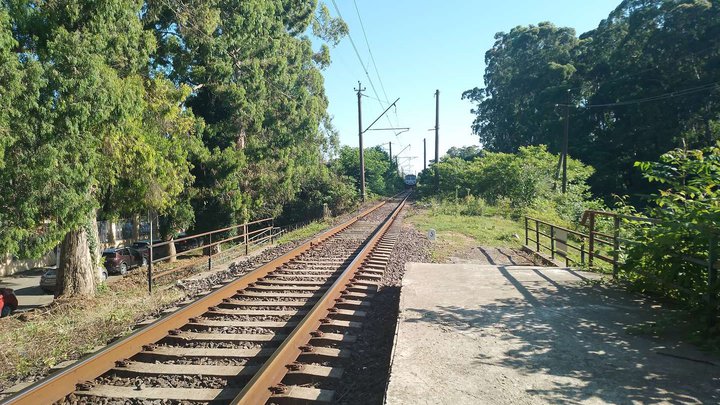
(87, 136)
(644, 49)
(381, 175)
(688, 210)
(303, 233)
(521, 182)
(207, 113)
(527, 74)
(316, 190)
(258, 87)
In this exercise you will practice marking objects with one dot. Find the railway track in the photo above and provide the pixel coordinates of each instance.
(279, 334)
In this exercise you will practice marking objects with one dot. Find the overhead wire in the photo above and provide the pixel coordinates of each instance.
(362, 64)
(372, 59)
(357, 53)
(659, 97)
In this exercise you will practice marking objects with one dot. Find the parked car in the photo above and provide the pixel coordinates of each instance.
(49, 277)
(120, 260)
(187, 244)
(143, 246)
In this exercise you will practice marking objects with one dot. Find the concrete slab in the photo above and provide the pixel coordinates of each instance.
(479, 334)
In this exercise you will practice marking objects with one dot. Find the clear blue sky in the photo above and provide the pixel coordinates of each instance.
(420, 46)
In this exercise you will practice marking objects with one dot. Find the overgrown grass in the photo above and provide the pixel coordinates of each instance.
(456, 231)
(73, 327)
(304, 232)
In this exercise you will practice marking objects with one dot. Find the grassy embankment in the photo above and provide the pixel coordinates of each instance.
(305, 232)
(31, 344)
(457, 231)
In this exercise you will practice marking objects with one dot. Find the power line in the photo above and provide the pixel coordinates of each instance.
(678, 93)
(362, 64)
(357, 53)
(372, 59)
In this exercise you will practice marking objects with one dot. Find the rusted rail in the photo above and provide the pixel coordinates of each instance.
(265, 281)
(267, 380)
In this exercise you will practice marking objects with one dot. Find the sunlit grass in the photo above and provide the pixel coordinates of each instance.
(304, 232)
(456, 232)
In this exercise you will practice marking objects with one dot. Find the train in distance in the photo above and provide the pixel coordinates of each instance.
(410, 180)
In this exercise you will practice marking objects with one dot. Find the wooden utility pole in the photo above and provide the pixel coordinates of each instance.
(437, 137)
(390, 143)
(565, 144)
(359, 90)
(424, 153)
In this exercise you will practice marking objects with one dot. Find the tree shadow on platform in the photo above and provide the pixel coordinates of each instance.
(579, 331)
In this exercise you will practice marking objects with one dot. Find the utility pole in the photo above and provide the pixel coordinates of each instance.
(424, 153)
(437, 137)
(390, 143)
(359, 90)
(565, 143)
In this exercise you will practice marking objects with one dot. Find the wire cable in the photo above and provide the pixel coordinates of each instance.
(362, 64)
(678, 93)
(372, 58)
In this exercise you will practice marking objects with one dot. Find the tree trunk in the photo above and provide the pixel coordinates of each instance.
(94, 242)
(76, 272)
(136, 227)
(111, 233)
(172, 252)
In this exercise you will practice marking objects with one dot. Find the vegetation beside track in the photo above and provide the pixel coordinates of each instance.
(31, 344)
(304, 232)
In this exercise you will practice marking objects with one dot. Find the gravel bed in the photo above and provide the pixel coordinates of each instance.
(367, 371)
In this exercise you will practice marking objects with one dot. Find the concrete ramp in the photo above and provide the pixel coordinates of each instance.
(479, 334)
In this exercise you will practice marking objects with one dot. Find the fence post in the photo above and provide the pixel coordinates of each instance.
(591, 247)
(712, 282)
(552, 242)
(526, 232)
(210, 252)
(616, 245)
(272, 231)
(245, 229)
(537, 236)
(582, 250)
(150, 253)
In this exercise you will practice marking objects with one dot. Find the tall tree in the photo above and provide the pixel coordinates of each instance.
(85, 134)
(647, 49)
(259, 89)
(644, 82)
(381, 175)
(529, 70)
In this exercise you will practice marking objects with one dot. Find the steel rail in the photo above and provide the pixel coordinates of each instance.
(258, 389)
(59, 385)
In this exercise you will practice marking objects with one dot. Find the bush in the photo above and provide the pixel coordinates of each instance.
(688, 209)
(514, 183)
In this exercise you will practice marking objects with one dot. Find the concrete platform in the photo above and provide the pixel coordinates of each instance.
(479, 334)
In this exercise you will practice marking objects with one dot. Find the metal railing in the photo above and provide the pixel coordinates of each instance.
(607, 244)
(249, 235)
(557, 240)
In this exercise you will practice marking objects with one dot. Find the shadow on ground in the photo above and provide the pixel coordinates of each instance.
(577, 334)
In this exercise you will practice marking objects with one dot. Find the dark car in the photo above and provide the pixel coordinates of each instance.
(187, 244)
(143, 246)
(120, 260)
(49, 277)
